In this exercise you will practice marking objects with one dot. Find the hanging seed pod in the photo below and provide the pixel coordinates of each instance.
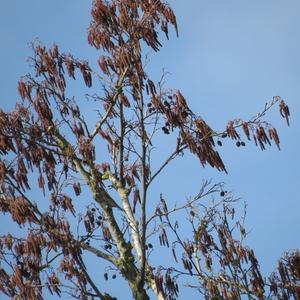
(160, 240)
(184, 263)
(174, 254)
(284, 111)
(165, 238)
(246, 130)
(77, 188)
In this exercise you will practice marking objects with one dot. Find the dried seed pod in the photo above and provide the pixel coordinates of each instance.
(246, 130)
(174, 254)
(284, 111)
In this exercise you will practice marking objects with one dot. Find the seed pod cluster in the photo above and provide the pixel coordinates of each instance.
(163, 238)
(167, 285)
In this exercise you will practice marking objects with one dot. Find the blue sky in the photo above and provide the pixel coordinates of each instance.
(230, 58)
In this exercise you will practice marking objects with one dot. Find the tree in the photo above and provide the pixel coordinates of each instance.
(96, 179)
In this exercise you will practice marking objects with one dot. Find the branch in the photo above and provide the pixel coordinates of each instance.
(123, 193)
(105, 201)
(67, 149)
(121, 156)
(97, 252)
(118, 91)
(170, 158)
(93, 285)
(200, 195)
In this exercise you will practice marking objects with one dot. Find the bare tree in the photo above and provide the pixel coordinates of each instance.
(95, 179)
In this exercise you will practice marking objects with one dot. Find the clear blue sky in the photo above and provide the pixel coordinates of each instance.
(231, 57)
